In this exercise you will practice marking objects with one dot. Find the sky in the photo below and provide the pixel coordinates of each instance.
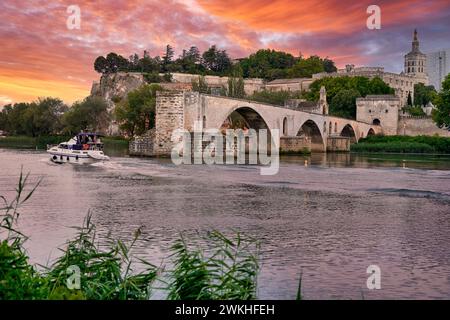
(40, 56)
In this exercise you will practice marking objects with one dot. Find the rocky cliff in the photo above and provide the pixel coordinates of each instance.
(114, 87)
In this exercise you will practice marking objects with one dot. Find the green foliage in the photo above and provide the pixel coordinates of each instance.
(394, 147)
(274, 97)
(112, 63)
(267, 64)
(216, 60)
(343, 104)
(153, 77)
(18, 279)
(136, 113)
(167, 58)
(424, 94)
(41, 117)
(441, 115)
(228, 272)
(305, 68)
(236, 84)
(91, 114)
(200, 85)
(415, 111)
(270, 65)
(409, 102)
(403, 144)
(105, 274)
(349, 85)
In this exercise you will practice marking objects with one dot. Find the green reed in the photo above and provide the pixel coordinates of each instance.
(226, 269)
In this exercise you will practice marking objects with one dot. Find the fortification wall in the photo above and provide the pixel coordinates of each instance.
(416, 126)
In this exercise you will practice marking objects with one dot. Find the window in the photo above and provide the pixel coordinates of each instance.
(330, 127)
(335, 127)
(285, 126)
(387, 111)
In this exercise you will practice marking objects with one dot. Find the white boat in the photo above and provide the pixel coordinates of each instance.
(84, 147)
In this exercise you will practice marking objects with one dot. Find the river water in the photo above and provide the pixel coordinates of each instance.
(329, 217)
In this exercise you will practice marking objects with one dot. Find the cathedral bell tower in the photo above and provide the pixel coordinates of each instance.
(415, 61)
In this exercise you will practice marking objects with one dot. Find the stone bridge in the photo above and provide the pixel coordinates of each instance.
(298, 129)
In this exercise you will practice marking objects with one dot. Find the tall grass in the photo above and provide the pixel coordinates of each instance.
(18, 279)
(229, 272)
(403, 144)
(228, 269)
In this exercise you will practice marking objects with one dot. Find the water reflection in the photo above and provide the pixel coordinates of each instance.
(328, 215)
(342, 160)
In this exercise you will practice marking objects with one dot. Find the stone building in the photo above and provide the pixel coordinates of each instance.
(402, 83)
(385, 110)
(415, 62)
(380, 110)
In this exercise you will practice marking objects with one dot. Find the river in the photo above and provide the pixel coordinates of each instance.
(327, 216)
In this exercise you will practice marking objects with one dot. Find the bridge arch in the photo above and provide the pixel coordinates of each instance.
(349, 132)
(251, 118)
(285, 126)
(371, 132)
(311, 131)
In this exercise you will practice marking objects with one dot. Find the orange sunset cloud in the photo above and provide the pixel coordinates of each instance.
(40, 56)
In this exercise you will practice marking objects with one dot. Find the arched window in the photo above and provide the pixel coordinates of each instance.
(204, 122)
(285, 126)
(330, 127)
(376, 122)
(324, 127)
(335, 127)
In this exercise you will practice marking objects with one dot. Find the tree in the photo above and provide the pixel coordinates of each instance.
(111, 64)
(216, 60)
(190, 61)
(343, 104)
(305, 68)
(441, 115)
(236, 84)
(409, 102)
(167, 58)
(329, 66)
(3, 121)
(41, 117)
(136, 113)
(200, 85)
(364, 86)
(423, 94)
(101, 65)
(267, 64)
(89, 114)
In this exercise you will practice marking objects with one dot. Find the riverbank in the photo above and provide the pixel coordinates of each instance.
(40, 143)
(403, 144)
